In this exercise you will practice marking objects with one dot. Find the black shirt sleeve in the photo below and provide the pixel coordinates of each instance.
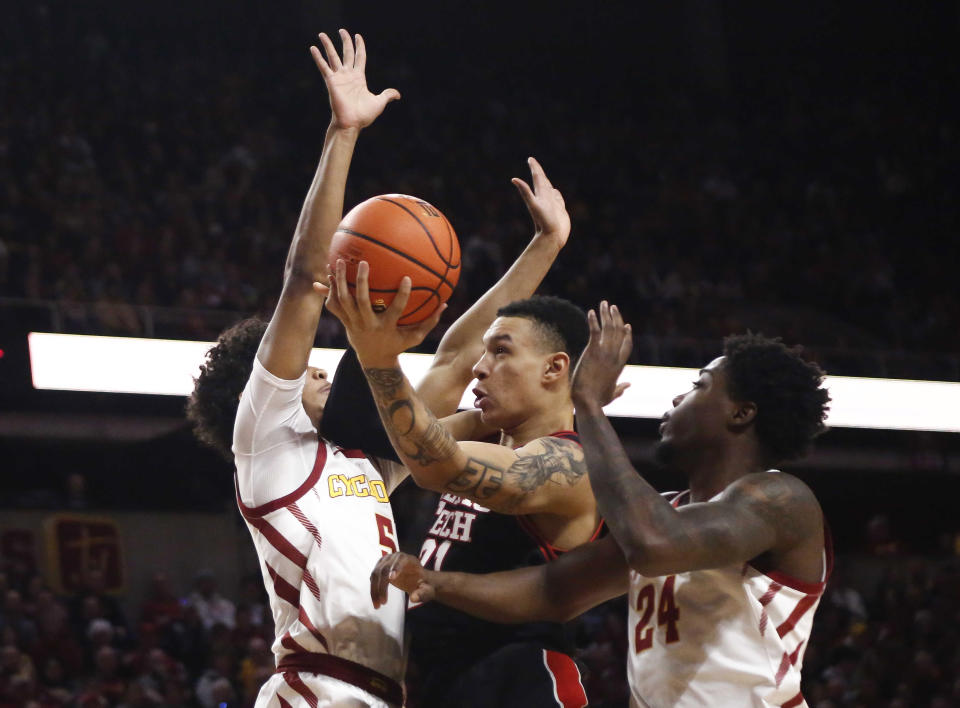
(350, 418)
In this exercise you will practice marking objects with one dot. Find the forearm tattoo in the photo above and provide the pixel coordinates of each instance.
(561, 462)
(431, 444)
(385, 381)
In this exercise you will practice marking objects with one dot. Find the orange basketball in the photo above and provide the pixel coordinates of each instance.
(400, 235)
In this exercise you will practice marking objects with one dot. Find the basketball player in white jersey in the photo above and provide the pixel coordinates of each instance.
(724, 578)
(320, 515)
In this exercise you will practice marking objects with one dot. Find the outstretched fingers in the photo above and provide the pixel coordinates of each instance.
(361, 58)
(333, 59)
(541, 185)
(346, 42)
(321, 63)
(525, 192)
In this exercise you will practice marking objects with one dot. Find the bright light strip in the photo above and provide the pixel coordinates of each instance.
(167, 367)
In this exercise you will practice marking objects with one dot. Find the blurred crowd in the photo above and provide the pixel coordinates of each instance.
(886, 636)
(822, 211)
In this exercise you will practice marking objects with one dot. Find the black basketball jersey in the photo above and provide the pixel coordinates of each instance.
(466, 537)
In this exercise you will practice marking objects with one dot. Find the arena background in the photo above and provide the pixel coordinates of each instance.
(728, 165)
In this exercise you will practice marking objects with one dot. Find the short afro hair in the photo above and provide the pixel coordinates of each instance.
(561, 324)
(212, 407)
(791, 403)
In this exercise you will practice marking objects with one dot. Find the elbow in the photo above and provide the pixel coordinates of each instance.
(650, 559)
(298, 278)
(427, 481)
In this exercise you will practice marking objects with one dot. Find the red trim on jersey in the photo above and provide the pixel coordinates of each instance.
(283, 703)
(351, 453)
(311, 584)
(305, 621)
(290, 644)
(363, 677)
(282, 588)
(771, 592)
(799, 611)
(795, 583)
(802, 585)
(794, 702)
(782, 671)
(279, 542)
(765, 600)
(567, 686)
(547, 549)
(567, 435)
(296, 683)
(251, 512)
(306, 523)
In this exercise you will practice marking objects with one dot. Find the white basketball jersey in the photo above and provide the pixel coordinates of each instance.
(724, 637)
(320, 519)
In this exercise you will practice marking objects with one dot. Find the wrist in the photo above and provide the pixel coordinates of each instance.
(588, 404)
(345, 131)
(378, 361)
(555, 237)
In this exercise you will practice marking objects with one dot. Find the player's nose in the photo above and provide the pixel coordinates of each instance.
(479, 369)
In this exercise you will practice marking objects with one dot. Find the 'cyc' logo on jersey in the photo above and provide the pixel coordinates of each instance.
(358, 486)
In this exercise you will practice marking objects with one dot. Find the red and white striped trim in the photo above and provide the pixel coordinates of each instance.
(296, 683)
(765, 600)
(305, 522)
(797, 700)
(251, 512)
(567, 684)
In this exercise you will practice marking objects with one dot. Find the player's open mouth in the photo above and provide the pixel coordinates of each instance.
(663, 424)
(481, 398)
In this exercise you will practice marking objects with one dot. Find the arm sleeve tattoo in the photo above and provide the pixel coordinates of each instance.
(425, 444)
(560, 462)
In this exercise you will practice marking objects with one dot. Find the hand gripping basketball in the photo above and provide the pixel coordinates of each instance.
(400, 235)
(376, 337)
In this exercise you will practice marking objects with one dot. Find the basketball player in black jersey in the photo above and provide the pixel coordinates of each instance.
(536, 474)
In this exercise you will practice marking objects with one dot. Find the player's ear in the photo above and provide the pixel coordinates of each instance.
(557, 367)
(742, 413)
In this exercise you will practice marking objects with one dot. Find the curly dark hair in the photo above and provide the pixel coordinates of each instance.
(562, 324)
(791, 403)
(212, 407)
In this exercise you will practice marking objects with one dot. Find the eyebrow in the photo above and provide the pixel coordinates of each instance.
(487, 341)
(706, 371)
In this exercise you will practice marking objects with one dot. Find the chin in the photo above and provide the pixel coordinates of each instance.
(664, 452)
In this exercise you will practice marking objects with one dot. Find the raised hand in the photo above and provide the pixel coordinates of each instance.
(376, 337)
(352, 103)
(600, 365)
(403, 571)
(545, 203)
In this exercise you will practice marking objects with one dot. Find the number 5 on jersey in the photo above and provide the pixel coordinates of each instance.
(388, 538)
(667, 614)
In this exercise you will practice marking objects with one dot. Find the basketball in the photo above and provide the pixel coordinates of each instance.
(400, 235)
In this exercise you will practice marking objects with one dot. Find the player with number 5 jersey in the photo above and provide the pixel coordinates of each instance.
(318, 515)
